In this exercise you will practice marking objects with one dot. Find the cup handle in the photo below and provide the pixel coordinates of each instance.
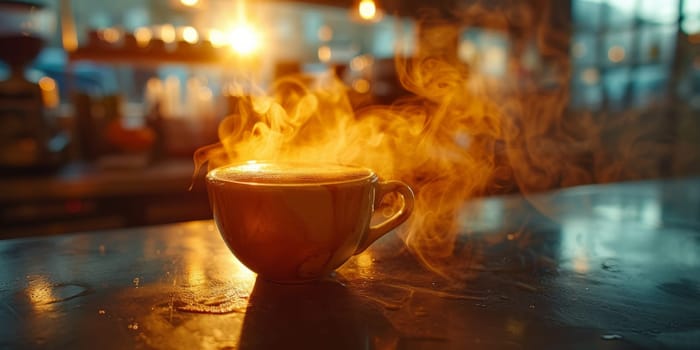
(376, 231)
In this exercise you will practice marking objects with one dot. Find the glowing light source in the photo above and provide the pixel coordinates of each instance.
(49, 92)
(190, 35)
(189, 3)
(110, 35)
(244, 39)
(361, 86)
(167, 33)
(467, 51)
(324, 53)
(47, 84)
(367, 9)
(495, 60)
(143, 36)
(360, 63)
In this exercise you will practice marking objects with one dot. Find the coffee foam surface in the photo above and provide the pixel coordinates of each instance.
(289, 173)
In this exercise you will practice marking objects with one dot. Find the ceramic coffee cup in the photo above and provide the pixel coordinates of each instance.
(295, 222)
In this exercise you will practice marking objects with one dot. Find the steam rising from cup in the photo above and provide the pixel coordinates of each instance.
(460, 135)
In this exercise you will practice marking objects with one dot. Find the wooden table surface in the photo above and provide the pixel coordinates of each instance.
(606, 266)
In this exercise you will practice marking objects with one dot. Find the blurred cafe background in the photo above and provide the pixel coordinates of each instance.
(102, 103)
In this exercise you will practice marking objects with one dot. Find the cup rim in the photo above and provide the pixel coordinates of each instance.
(369, 175)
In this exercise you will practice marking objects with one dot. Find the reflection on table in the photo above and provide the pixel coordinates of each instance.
(610, 266)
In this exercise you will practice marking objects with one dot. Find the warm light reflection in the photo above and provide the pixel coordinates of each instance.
(364, 262)
(367, 9)
(40, 293)
(49, 92)
(251, 166)
(195, 258)
(201, 267)
(190, 35)
(515, 327)
(244, 39)
(143, 36)
(243, 275)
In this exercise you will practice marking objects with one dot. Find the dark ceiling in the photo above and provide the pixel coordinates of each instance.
(512, 11)
(411, 8)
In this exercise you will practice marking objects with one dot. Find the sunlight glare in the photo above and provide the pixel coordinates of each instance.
(367, 9)
(244, 39)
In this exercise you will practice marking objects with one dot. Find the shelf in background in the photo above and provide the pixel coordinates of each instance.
(83, 197)
(212, 57)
